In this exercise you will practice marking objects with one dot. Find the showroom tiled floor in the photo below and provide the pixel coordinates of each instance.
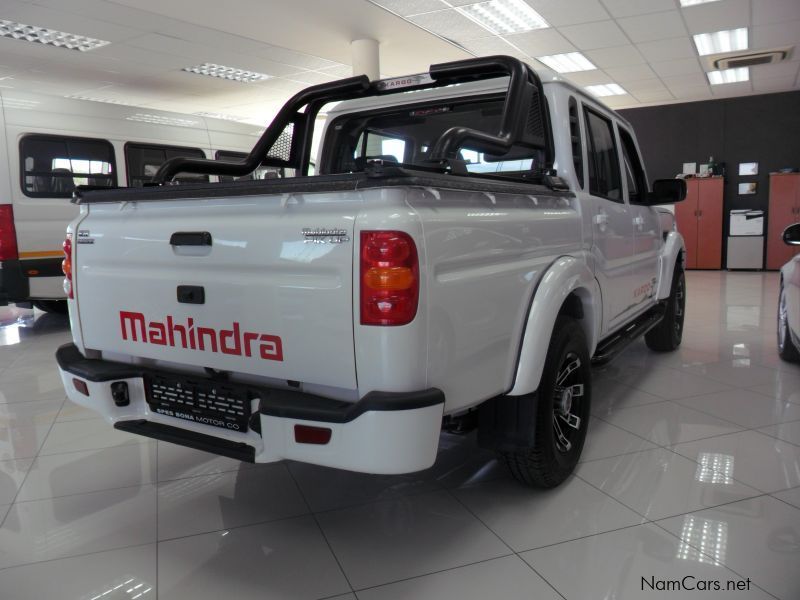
(691, 468)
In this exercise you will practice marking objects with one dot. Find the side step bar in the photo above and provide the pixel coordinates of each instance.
(619, 340)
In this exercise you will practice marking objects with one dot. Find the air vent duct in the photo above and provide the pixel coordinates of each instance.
(749, 59)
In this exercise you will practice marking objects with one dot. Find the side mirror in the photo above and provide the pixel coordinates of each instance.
(667, 191)
(791, 235)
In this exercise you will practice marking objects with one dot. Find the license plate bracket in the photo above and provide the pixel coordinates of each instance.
(218, 404)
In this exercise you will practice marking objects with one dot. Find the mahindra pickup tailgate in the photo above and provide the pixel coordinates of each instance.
(250, 284)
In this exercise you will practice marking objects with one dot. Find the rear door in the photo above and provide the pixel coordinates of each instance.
(612, 218)
(647, 240)
(229, 283)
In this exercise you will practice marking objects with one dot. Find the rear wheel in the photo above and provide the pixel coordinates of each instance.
(786, 348)
(58, 307)
(667, 335)
(561, 411)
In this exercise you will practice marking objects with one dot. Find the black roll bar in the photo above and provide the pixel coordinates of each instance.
(524, 95)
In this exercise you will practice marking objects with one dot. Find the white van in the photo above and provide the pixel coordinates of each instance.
(49, 145)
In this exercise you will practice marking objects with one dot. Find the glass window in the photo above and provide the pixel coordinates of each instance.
(406, 135)
(53, 166)
(634, 173)
(604, 174)
(143, 161)
(261, 172)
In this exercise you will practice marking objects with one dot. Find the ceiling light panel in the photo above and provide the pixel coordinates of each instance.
(685, 3)
(214, 70)
(50, 37)
(502, 17)
(721, 41)
(729, 76)
(570, 62)
(605, 89)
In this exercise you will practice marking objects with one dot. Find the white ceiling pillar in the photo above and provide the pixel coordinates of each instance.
(366, 58)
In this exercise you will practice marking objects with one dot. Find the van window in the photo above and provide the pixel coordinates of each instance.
(143, 161)
(604, 174)
(634, 173)
(53, 165)
(261, 172)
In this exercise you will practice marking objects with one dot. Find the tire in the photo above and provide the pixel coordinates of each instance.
(552, 457)
(786, 348)
(667, 335)
(58, 307)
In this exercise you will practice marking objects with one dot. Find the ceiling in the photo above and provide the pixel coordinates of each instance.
(643, 45)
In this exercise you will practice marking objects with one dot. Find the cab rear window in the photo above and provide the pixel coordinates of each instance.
(52, 166)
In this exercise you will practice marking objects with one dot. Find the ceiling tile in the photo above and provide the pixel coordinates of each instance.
(492, 45)
(682, 66)
(784, 70)
(617, 56)
(692, 93)
(584, 78)
(773, 85)
(405, 8)
(777, 34)
(657, 26)
(669, 49)
(630, 73)
(674, 82)
(645, 85)
(655, 96)
(775, 11)
(541, 42)
(716, 16)
(627, 8)
(731, 89)
(588, 36)
(615, 102)
(559, 13)
(450, 24)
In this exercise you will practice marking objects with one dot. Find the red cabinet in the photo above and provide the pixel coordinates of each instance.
(784, 209)
(699, 219)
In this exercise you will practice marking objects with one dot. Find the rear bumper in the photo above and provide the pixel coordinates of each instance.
(384, 432)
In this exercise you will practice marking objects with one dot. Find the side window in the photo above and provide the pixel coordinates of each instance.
(634, 173)
(143, 160)
(261, 172)
(604, 174)
(575, 140)
(52, 165)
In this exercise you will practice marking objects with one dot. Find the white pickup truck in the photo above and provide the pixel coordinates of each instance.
(472, 241)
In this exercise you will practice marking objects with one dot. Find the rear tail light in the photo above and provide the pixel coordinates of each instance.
(66, 266)
(8, 235)
(389, 278)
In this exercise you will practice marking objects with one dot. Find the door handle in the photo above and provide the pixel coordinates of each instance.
(638, 221)
(601, 219)
(190, 238)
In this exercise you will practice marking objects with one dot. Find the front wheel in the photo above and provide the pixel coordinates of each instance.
(667, 335)
(786, 348)
(561, 411)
